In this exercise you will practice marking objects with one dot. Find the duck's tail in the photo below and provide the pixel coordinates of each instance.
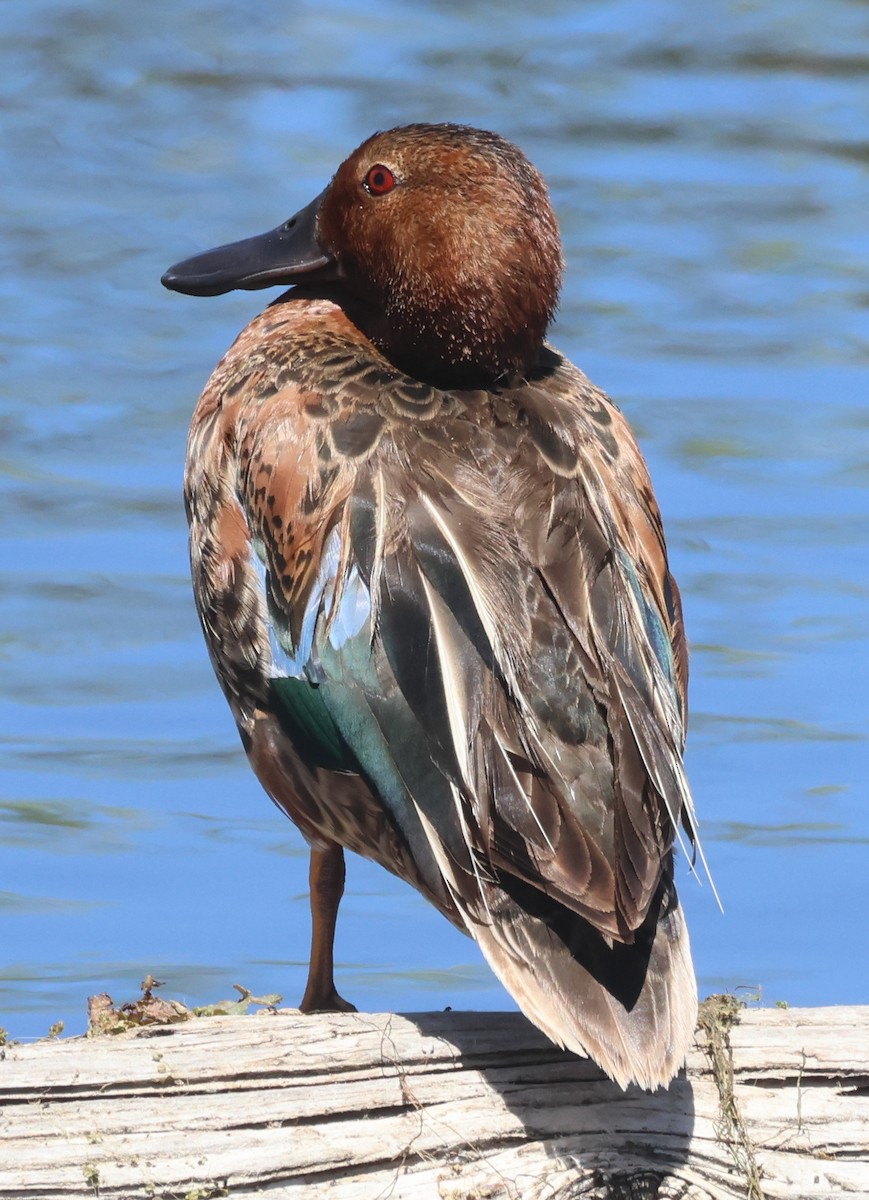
(630, 1007)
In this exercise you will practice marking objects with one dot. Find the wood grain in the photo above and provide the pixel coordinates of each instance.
(447, 1105)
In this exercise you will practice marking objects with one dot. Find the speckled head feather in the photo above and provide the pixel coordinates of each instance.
(460, 259)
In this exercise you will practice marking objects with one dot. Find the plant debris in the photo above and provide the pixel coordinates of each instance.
(105, 1019)
(718, 1014)
(238, 1008)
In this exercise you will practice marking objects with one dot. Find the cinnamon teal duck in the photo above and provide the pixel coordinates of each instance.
(433, 581)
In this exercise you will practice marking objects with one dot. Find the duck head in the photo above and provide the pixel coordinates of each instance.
(439, 240)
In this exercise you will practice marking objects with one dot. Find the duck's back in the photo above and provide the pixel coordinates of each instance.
(446, 626)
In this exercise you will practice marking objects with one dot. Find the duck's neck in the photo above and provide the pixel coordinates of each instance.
(448, 345)
(427, 346)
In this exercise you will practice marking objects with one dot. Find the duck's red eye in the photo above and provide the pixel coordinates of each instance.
(379, 180)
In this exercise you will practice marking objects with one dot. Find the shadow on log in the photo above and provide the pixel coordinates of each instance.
(453, 1106)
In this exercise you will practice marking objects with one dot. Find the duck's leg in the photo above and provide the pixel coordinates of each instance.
(327, 887)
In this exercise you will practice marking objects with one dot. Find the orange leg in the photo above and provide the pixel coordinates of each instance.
(327, 888)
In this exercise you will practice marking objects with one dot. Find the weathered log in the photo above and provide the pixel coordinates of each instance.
(449, 1105)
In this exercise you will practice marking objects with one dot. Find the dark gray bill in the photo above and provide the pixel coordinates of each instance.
(284, 255)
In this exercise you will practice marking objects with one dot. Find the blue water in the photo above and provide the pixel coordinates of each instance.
(709, 169)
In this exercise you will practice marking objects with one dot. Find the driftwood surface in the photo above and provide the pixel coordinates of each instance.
(454, 1106)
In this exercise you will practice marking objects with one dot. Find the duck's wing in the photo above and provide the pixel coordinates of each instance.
(526, 617)
(524, 614)
(272, 459)
(600, 572)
